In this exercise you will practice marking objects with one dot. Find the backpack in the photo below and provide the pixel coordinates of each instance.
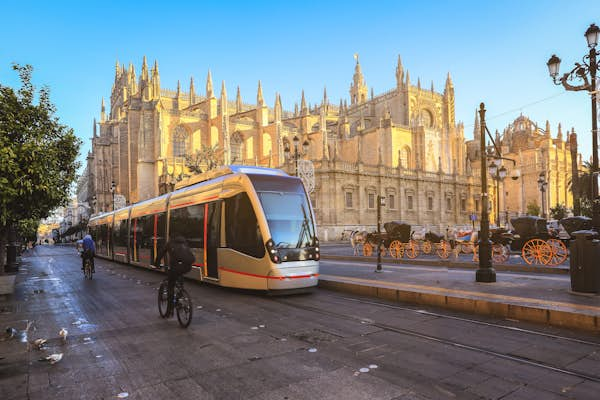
(184, 258)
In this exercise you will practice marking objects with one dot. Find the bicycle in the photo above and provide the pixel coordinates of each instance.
(88, 271)
(182, 302)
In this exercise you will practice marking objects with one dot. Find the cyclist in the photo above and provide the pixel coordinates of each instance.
(89, 250)
(181, 259)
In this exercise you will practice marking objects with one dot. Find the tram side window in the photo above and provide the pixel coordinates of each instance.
(241, 226)
(189, 223)
(120, 233)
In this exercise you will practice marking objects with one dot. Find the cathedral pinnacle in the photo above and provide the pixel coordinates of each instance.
(238, 101)
(209, 85)
(399, 72)
(325, 101)
(144, 69)
(476, 127)
(259, 95)
(303, 110)
(102, 111)
(192, 91)
(449, 81)
(223, 90)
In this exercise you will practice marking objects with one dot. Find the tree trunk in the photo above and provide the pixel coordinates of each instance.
(3, 243)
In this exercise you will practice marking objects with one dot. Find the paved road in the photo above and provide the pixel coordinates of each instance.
(248, 346)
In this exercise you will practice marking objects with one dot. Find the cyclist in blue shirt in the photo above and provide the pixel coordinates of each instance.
(89, 250)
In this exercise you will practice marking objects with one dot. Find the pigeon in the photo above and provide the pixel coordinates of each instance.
(39, 343)
(53, 358)
(11, 333)
(63, 334)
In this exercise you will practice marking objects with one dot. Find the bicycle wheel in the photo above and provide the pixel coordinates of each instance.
(87, 269)
(163, 296)
(184, 309)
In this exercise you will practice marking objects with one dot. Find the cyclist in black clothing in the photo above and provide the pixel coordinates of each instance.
(89, 250)
(181, 259)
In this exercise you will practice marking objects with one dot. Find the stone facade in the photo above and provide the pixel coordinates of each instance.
(536, 153)
(403, 144)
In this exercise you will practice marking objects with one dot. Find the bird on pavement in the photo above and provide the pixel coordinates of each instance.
(11, 333)
(63, 334)
(53, 358)
(39, 343)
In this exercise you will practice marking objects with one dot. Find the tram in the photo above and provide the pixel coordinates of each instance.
(248, 227)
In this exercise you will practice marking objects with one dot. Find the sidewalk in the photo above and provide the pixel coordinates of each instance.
(525, 293)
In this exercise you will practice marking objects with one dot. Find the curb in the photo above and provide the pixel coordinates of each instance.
(452, 264)
(557, 314)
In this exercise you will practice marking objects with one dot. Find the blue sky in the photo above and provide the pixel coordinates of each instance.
(496, 52)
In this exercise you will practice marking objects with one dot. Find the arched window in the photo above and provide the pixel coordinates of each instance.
(236, 148)
(180, 142)
(405, 157)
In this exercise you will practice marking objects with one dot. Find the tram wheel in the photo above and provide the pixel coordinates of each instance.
(411, 249)
(367, 249)
(443, 249)
(426, 247)
(559, 251)
(536, 251)
(396, 249)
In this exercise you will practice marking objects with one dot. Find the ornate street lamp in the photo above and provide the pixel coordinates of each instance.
(112, 190)
(296, 155)
(498, 175)
(542, 183)
(589, 65)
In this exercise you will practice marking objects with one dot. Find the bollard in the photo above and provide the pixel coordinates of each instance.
(583, 264)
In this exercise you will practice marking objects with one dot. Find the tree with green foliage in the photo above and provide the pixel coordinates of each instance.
(37, 157)
(533, 208)
(558, 212)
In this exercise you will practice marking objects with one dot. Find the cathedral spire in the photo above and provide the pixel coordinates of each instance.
(209, 86)
(476, 127)
(95, 135)
(303, 110)
(238, 101)
(260, 101)
(559, 135)
(155, 81)
(325, 100)
(407, 79)
(102, 111)
(399, 72)
(358, 87)
(117, 70)
(277, 108)
(223, 90)
(178, 89)
(547, 127)
(432, 89)
(449, 83)
(144, 69)
(192, 91)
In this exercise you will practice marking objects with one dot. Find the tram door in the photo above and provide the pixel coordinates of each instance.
(213, 236)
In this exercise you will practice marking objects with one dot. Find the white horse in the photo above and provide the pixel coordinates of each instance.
(357, 238)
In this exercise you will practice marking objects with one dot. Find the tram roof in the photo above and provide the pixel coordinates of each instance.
(228, 170)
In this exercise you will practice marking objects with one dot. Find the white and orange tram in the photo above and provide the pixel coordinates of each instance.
(248, 227)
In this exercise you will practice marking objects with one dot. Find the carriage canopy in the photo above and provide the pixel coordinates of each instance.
(398, 230)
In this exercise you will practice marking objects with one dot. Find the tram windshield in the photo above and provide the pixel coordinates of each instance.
(286, 209)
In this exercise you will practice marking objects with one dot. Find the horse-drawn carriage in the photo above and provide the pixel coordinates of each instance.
(396, 239)
(536, 243)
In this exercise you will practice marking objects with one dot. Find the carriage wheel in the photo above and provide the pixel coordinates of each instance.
(443, 249)
(411, 249)
(426, 247)
(396, 249)
(536, 251)
(559, 251)
(466, 248)
(476, 253)
(500, 253)
(367, 249)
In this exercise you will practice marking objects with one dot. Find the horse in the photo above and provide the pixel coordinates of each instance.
(357, 238)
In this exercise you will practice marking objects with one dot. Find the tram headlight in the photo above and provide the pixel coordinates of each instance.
(273, 252)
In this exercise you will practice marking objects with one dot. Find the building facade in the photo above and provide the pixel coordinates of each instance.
(403, 144)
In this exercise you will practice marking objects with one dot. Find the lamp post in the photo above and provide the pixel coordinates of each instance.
(485, 272)
(498, 175)
(580, 72)
(112, 190)
(542, 183)
(296, 155)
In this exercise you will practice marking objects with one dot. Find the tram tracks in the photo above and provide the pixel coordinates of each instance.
(453, 343)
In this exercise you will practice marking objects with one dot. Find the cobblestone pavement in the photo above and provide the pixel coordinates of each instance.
(249, 346)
